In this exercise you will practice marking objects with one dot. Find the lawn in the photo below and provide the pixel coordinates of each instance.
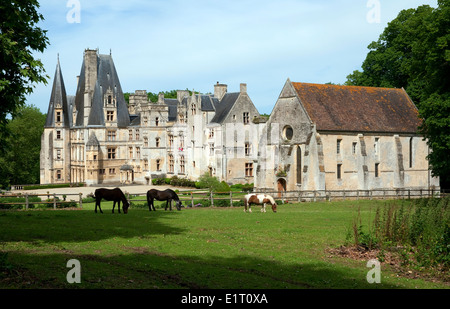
(216, 248)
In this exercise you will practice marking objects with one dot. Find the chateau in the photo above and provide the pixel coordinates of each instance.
(317, 136)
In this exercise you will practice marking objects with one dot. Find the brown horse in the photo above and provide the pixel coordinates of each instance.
(259, 199)
(167, 195)
(115, 195)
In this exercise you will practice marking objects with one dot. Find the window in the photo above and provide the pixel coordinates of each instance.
(376, 169)
(354, 148)
(145, 120)
(411, 152)
(58, 134)
(138, 136)
(112, 171)
(109, 99)
(111, 136)
(211, 133)
(339, 171)
(58, 175)
(245, 118)
(157, 142)
(248, 169)
(145, 141)
(288, 133)
(110, 115)
(158, 164)
(138, 152)
(338, 146)
(170, 140)
(181, 117)
(58, 154)
(247, 149)
(171, 163)
(376, 145)
(146, 164)
(193, 109)
(58, 116)
(130, 135)
(157, 121)
(182, 164)
(101, 171)
(111, 153)
(211, 149)
(130, 151)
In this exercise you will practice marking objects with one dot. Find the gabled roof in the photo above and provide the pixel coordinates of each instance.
(224, 106)
(358, 109)
(58, 98)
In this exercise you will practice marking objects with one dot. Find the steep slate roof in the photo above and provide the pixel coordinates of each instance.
(58, 98)
(358, 109)
(224, 106)
(173, 107)
(107, 78)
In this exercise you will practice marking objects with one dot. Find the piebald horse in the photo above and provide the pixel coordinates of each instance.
(259, 199)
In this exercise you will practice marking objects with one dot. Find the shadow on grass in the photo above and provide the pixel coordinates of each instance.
(83, 225)
(147, 270)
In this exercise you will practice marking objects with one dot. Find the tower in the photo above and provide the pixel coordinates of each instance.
(55, 140)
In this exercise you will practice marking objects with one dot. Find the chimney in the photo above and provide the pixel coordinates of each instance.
(181, 94)
(220, 90)
(161, 98)
(244, 88)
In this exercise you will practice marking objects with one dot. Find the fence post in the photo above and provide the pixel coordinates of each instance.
(26, 201)
(231, 198)
(192, 200)
(54, 200)
(212, 200)
(81, 200)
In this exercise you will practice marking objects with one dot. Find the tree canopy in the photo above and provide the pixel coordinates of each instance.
(20, 162)
(19, 38)
(413, 53)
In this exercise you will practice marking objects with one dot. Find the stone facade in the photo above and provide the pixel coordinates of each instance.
(309, 145)
(317, 137)
(95, 137)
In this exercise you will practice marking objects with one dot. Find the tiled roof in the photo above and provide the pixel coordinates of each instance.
(358, 109)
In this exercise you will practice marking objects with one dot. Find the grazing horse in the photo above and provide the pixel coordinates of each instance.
(115, 195)
(259, 199)
(167, 195)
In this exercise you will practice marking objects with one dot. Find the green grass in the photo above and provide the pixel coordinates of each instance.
(193, 248)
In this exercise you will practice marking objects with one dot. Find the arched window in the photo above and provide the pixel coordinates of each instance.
(299, 165)
(411, 152)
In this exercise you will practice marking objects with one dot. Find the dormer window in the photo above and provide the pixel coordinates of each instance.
(110, 115)
(109, 99)
(58, 116)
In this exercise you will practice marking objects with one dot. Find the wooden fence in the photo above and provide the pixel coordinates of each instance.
(194, 198)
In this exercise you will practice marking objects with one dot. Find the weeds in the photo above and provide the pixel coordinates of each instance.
(418, 230)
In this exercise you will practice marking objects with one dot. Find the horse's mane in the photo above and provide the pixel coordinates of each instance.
(271, 199)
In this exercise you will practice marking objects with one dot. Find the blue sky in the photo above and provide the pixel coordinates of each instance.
(161, 45)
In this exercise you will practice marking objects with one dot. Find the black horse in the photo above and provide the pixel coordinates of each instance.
(115, 195)
(167, 195)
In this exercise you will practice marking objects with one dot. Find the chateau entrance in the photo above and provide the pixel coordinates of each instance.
(126, 174)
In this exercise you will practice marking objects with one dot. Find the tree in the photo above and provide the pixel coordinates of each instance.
(20, 163)
(20, 71)
(212, 183)
(413, 53)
